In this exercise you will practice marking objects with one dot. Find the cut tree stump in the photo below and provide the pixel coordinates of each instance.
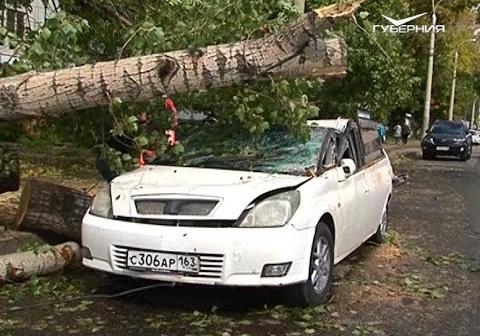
(49, 207)
(42, 261)
(9, 167)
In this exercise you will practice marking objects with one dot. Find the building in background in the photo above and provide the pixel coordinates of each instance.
(18, 20)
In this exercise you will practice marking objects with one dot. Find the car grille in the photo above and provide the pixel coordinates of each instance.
(186, 223)
(175, 207)
(211, 265)
(444, 142)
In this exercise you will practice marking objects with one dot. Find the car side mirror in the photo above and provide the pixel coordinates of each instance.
(348, 168)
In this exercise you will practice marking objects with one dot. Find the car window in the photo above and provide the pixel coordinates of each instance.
(330, 157)
(347, 150)
(275, 151)
(372, 145)
(449, 129)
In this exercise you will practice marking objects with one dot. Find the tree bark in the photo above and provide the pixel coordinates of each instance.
(299, 50)
(45, 260)
(9, 168)
(49, 207)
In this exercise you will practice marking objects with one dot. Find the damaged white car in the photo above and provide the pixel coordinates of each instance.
(270, 210)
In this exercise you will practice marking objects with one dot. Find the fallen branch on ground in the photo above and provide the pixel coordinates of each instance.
(45, 260)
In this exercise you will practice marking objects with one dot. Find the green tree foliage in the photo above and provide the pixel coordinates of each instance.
(386, 72)
(381, 75)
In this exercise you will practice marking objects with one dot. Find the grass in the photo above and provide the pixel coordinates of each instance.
(62, 285)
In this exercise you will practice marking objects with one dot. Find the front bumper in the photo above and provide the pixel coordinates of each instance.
(235, 256)
(453, 149)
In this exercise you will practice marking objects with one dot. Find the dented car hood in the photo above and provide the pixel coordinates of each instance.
(234, 190)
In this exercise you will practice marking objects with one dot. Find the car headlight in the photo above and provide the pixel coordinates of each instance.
(459, 141)
(102, 203)
(273, 211)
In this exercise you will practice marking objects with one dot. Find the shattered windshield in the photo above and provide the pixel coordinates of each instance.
(275, 151)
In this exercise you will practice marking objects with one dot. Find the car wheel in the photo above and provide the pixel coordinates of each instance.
(464, 156)
(380, 236)
(317, 287)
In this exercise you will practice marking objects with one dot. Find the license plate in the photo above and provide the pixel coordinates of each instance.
(442, 148)
(163, 262)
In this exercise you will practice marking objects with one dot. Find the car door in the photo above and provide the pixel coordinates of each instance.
(377, 179)
(354, 198)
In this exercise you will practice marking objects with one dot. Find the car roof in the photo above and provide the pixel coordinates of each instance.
(339, 124)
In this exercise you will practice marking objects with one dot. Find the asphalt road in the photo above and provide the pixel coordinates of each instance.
(425, 281)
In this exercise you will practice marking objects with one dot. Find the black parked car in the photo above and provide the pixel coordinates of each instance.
(447, 138)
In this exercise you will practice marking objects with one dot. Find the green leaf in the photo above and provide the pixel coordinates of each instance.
(46, 33)
(142, 141)
(437, 294)
(291, 106)
(61, 16)
(265, 125)
(179, 149)
(363, 15)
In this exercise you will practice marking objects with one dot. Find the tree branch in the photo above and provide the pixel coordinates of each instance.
(107, 11)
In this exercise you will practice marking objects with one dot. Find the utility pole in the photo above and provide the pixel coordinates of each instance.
(454, 80)
(474, 109)
(428, 91)
(477, 115)
(454, 84)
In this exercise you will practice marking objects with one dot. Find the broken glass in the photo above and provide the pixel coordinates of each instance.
(276, 151)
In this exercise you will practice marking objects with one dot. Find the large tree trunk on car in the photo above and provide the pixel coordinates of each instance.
(299, 50)
(9, 167)
(42, 261)
(49, 207)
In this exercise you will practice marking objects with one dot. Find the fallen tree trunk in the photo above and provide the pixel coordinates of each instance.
(9, 168)
(299, 50)
(48, 207)
(43, 261)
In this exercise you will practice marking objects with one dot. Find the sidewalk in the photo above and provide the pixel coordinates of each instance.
(396, 151)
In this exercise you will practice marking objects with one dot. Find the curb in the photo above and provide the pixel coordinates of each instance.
(395, 152)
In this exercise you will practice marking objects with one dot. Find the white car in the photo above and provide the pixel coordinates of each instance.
(251, 211)
(475, 137)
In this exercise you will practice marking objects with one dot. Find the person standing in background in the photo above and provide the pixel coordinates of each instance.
(406, 131)
(397, 133)
(381, 132)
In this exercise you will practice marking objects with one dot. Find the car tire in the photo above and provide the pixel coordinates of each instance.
(381, 235)
(316, 289)
(464, 156)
